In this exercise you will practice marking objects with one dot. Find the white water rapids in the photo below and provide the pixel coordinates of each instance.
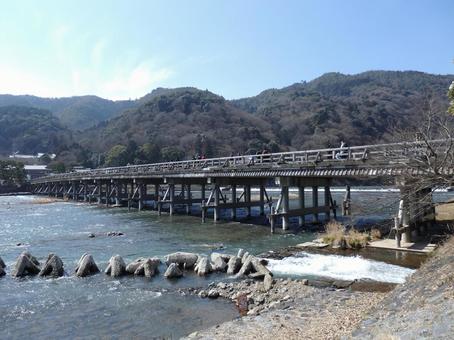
(339, 267)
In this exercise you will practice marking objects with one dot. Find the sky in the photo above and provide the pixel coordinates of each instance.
(236, 48)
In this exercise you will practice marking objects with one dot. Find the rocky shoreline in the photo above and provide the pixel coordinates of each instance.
(291, 309)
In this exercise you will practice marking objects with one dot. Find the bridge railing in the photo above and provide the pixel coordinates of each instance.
(384, 154)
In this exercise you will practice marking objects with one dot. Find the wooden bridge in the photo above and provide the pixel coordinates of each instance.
(228, 183)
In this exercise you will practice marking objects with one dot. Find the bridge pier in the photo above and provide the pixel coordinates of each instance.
(283, 210)
(415, 212)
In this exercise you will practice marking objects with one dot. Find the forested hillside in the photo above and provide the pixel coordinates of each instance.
(76, 113)
(30, 130)
(172, 124)
(360, 109)
(182, 123)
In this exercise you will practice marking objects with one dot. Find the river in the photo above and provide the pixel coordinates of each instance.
(100, 306)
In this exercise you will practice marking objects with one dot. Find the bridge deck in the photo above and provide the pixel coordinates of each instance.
(359, 161)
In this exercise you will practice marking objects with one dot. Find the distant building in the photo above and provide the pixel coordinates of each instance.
(36, 171)
(39, 155)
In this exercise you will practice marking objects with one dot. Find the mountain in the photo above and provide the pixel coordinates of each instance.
(31, 130)
(188, 120)
(76, 113)
(170, 124)
(360, 109)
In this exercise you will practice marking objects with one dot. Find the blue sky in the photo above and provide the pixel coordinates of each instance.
(124, 49)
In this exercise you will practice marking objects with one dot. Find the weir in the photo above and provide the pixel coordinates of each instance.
(218, 185)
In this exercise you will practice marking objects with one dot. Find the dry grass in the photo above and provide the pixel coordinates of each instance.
(43, 200)
(334, 233)
(337, 235)
(375, 234)
(356, 239)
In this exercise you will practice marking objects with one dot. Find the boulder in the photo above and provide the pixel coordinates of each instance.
(219, 265)
(116, 266)
(115, 233)
(241, 252)
(2, 264)
(134, 265)
(150, 266)
(203, 266)
(234, 265)
(2, 272)
(183, 260)
(213, 294)
(26, 264)
(268, 282)
(86, 266)
(173, 271)
(53, 267)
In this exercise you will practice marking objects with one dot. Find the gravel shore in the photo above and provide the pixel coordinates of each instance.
(289, 310)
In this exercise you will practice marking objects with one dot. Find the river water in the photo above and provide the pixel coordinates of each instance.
(134, 307)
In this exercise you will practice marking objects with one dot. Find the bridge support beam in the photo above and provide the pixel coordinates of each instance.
(346, 202)
(315, 202)
(262, 200)
(285, 200)
(234, 201)
(301, 204)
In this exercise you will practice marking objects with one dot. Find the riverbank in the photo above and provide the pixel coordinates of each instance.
(422, 307)
(291, 310)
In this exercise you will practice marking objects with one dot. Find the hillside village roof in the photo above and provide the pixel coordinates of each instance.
(35, 167)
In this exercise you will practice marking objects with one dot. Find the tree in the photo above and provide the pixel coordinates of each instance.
(171, 154)
(12, 172)
(148, 153)
(117, 156)
(58, 167)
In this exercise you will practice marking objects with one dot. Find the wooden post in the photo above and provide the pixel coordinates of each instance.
(216, 202)
(234, 202)
(397, 227)
(189, 197)
(346, 202)
(247, 198)
(262, 200)
(171, 197)
(156, 195)
(285, 207)
(117, 194)
(141, 194)
(107, 193)
(99, 187)
(272, 220)
(202, 191)
(74, 188)
(85, 184)
(327, 202)
(301, 205)
(129, 192)
(315, 201)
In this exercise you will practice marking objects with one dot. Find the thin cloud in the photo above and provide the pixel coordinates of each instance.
(135, 82)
